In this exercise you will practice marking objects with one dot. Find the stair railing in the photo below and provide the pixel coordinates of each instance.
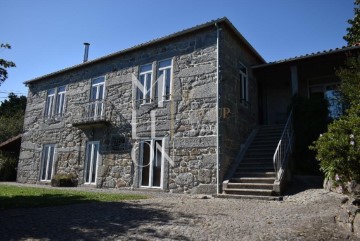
(284, 148)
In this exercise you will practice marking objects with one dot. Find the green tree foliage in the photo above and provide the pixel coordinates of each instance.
(350, 85)
(12, 116)
(338, 149)
(4, 64)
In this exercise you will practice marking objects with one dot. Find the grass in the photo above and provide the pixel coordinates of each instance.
(29, 197)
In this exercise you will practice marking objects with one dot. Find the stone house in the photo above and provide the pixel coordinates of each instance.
(181, 113)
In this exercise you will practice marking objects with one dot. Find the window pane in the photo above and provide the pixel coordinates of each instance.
(61, 89)
(51, 92)
(167, 83)
(87, 164)
(165, 63)
(145, 164)
(50, 160)
(148, 86)
(48, 105)
(44, 163)
(94, 162)
(139, 93)
(145, 68)
(101, 92)
(157, 163)
(98, 80)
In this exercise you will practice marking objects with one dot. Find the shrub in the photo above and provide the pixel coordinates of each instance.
(64, 180)
(338, 150)
(8, 165)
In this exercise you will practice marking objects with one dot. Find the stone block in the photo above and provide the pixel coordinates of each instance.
(356, 225)
(184, 179)
(204, 189)
(204, 176)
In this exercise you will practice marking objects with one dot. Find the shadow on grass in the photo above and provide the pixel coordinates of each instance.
(43, 200)
(91, 221)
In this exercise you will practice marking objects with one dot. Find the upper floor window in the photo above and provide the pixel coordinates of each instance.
(243, 84)
(144, 90)
(55, 102)
(96, 105)
(60, 100)
(49, 103)
(163, 85)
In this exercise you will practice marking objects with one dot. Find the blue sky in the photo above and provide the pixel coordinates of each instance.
(48, 35)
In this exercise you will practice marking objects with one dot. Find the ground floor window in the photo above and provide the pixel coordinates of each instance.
(330, 93)
(91, 162)
(47, 162)
(151, 160)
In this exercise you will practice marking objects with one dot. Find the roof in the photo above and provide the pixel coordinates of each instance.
(312, 55)
(8, 142)
(223, 20)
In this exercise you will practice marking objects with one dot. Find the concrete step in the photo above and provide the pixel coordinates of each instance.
(267, 166)
(254, 197)
(255, 169)
(257, 162)
(264, 186)
(255, 174)
(260, 192)
(269, 180)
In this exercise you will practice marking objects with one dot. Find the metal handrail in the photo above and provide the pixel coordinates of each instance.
(284, 148)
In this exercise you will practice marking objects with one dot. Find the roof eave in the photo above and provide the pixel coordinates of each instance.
(309, 56)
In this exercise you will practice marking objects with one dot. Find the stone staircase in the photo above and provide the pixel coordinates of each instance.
(255, 175)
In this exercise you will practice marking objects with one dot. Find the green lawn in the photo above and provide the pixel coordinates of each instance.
(25, 197)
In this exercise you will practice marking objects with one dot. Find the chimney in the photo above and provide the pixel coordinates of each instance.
(86, 52)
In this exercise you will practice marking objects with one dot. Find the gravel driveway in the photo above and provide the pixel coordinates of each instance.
(304, 215)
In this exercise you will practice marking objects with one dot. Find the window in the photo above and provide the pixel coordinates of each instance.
(244, 98)
(96, 106)
(151, 163)
(47, 162)
(60, 100)
(143, 93)
(55, 103)
(330, 93)
(49, 103)
(163, 84)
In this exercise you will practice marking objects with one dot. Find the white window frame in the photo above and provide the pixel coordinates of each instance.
(162, 80)
(45, 160)
(143, 88)
(244, 84)
(60, 101)
(88, 144)
(151, 176)
(97, 104)
(49, 103)
(52, 109)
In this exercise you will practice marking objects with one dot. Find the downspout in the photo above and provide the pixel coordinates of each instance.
(217, 112)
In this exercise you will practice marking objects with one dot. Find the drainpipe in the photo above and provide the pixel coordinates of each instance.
(217, 112)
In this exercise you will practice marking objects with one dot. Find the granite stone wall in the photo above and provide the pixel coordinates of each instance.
(186, 123)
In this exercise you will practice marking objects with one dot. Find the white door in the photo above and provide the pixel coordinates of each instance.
(151, 163)
(91, 162)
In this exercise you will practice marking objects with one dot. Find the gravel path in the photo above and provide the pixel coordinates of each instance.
(304, 215)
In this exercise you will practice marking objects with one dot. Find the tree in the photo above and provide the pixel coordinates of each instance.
(338, 150)
(12, 116)
(4, 64)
